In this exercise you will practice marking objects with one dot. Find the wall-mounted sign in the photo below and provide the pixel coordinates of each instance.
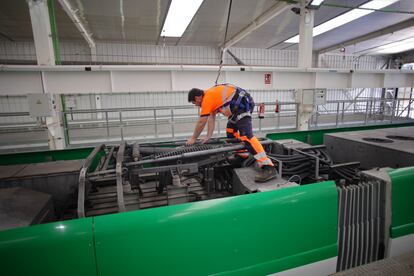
(268, 78)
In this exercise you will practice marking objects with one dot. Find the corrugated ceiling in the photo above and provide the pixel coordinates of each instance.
(141, 22)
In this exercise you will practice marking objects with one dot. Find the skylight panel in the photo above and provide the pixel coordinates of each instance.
(179, 16)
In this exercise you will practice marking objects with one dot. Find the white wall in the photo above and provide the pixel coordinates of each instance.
(73, 52)
(22, 83)
(336, 60)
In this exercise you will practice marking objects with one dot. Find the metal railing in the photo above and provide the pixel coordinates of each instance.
(361, 112)
(159, 122)
(93, 126)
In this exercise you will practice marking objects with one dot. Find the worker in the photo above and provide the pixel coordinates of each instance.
(237, 105)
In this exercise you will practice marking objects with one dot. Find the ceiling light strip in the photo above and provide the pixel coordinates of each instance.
(179, 16)
(316, 2)
(396, 47)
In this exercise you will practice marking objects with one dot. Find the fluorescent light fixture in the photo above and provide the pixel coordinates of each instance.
(179, 15)
(396, 47)
(316, 2)
(346, 18)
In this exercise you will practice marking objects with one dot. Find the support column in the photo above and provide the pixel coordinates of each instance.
(305, 108)
(305, 61)
(45, 54)
(305, 36)
(55, 125)
(39, 16)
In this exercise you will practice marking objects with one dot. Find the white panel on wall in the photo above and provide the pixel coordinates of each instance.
(397, 80)
(22, 83)
(77, 82)
(141, 81)
(284, 80)
(332, 80)
(248, 80)
(185, 80)
(367, 80)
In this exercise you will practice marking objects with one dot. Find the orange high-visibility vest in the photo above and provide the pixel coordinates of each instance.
(215, 98)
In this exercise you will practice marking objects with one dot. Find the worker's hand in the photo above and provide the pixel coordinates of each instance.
(190, 141)
(205, 140)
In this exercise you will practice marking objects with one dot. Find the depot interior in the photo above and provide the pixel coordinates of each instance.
(94, 120)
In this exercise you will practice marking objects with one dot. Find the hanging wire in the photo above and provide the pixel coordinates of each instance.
(224, 42)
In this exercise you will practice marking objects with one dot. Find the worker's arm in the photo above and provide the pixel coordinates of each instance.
(211, 123)
(198, 129)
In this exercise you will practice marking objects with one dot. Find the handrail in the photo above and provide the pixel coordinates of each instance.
(128, 109)
(10, 114)
(83, 188)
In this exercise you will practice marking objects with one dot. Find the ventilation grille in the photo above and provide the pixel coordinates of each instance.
(361, 230)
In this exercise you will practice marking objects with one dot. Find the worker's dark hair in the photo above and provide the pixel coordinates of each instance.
(193, 93)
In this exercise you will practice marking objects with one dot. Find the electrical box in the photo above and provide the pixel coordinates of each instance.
(308, 96)
(70, 102)
(320, 96)
(40, 105)
(314, 96)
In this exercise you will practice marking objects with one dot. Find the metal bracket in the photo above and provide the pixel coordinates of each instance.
(312, 156)
(182, 168)
(119, 180)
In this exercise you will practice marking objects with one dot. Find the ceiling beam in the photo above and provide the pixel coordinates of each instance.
(391, 29)
(87, 35)
(262, 19)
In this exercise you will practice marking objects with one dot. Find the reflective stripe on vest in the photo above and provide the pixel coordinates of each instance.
(225, 108)
(260, 155)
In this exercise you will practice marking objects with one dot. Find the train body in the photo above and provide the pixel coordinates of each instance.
(337, 216)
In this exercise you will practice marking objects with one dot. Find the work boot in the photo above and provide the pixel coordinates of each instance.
(266, 173)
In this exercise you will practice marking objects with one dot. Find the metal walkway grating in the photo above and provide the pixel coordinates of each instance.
(402, 265)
